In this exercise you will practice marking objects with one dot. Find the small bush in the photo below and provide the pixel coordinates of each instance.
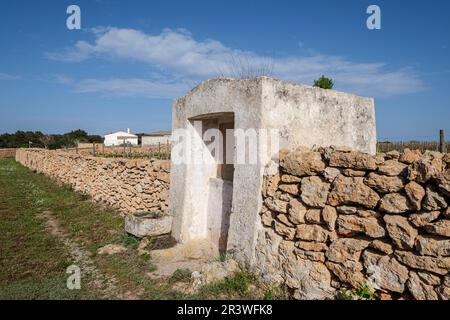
(363, 293)
(324, 83)
(181, 275)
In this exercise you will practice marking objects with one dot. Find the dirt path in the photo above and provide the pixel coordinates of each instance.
(107, 286)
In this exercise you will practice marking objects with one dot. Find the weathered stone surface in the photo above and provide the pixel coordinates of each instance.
(313, 216)
(111, 249)
(346, 249)
(289, 188)
(296, 212)
(392, 155)
(429, 278)
(284, 230)
(436, 265)
(409, 156)
(284, 219)
(443, 181)
(287, 178)
(392, 168)
(351, 225)
(331, 173)
(311, 246)
(147, 224)
(415, 193)
(303, 163)
(314, 191)
(382, 246)
(354, 173)
(395, 203)
(402, 233)
(433, 200)
(419, 289)
(329, 217)
(353, 160)
(446, 213)
(347, 210)
(423, 218)
(349, 272)
(444, 289)
(311, 280)
(429, 166)
(431, 246)
(266, 217)
(312, 233)
(310, 255)
(270, 185)
(384, 184)
(276, 205)
(347, 190)
(440, 228)
(385, 271)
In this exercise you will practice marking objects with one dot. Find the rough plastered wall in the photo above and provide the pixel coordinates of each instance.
(333, 219)
(127, 185)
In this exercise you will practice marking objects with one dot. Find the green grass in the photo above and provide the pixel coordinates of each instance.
(34, 262)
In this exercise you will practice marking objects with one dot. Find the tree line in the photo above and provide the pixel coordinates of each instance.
(23, 139)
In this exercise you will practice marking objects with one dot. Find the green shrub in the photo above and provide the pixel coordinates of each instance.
(324, 83)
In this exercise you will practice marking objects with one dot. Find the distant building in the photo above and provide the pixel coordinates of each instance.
(121, 137)
(154, 138)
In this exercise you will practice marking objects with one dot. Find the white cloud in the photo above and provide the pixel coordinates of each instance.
(8, 77)
(132, 87)
(177, 53)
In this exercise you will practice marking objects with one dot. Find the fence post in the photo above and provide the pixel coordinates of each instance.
(442, 146)
(93, 149)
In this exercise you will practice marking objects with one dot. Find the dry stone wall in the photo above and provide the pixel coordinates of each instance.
(7, 153)
(334, 218)
(127, 185)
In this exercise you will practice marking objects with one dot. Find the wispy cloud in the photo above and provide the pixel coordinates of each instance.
(8, 77)
(178, 54)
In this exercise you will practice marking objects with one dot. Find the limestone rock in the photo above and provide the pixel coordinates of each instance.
(427, 167)
(284, 219)
(385, 271)
(430, 246)
(311, 246)
(446, 213)
(347, 210)
(111, 249)
(395, 203)
(287, 178)
(384, 184)
(440, 228)
(444, 289)
(276, 205)
(419, 289)
(310, 280)
(354, 173)
(436, 265)
(284, 230)
(350, 225)
(313, 216)
(392, 168)
(331, 173)
(349, 272)
(415, 193)
(270, 185)
(444, 182)
(409, 156)
(402, 233)
(144, 224)
(310, 255)
(423, 218)
(346, 249)
(329, 217)
(312, 233)
(303, 163)
(353, 160)
(314, 191)
(289, 188)
(382, 246)
(352, 191)
(296, 212)
(392, 155)
(433, 200)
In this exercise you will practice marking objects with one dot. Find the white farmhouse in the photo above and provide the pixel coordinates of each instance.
(120, 138)
(154, 138)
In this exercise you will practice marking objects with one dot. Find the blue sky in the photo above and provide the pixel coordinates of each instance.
(130, 59)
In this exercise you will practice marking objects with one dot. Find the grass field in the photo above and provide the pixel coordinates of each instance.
(33, 258)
